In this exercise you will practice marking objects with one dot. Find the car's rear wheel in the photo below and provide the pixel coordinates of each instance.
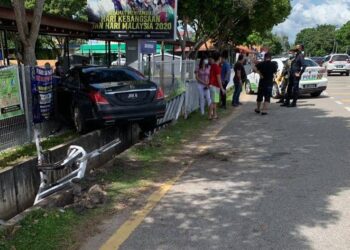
(79, 122)
(248, 88)
(148, 125)
(347, 73)
(275, 91)
(316, 94)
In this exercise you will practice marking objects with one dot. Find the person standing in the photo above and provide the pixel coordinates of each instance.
(202, 77)
(215, 85)
(284, 78)
(297, 69)
(266, 69)
(225, 77)
(238, 79)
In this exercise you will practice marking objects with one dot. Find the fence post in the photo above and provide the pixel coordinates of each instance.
(27, 100)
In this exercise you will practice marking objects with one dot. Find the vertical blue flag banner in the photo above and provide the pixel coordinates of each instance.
(42, 95)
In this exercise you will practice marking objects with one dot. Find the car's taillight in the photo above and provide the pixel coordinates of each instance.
(97, 98)
(159, 94)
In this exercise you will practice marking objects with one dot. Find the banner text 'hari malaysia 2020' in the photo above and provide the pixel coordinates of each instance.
(133, 19)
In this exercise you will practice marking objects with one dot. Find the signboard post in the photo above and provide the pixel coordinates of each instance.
(148, 48)
(10, 93)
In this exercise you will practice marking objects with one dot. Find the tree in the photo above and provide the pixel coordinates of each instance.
(269, 40)
(28, 32)
(343, 38)
(231, 21)
(318, 41)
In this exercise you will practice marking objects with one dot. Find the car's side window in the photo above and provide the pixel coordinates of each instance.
(73, 80)
(327, 58)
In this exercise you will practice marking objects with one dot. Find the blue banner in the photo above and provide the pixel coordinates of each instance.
(42, 93)
(148, 47)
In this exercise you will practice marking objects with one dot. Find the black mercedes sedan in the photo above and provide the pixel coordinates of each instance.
(108, 95)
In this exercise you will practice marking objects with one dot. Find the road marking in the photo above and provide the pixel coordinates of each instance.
(345, 100)
(340, 94)
(338, 102)
(347, 108)
(123, 233)
(332, 97)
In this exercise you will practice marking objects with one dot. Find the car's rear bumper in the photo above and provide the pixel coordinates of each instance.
(110, 115)
(339, 70)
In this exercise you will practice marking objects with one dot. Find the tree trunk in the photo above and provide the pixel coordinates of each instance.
(29, 57)
(28, 34)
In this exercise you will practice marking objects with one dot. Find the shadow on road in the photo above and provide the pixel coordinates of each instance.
(264, 183)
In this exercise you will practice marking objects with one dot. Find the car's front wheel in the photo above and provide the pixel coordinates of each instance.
(329, 72)
(248, 88)
(275, 91)
(79, 122)
(347, 73)
(316, 94)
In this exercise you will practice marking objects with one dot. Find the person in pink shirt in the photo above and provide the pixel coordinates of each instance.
(202, 77)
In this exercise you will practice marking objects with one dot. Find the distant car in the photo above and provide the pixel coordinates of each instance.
(312, 81)
(120, 61)
(337, 63)
(105, 96)
(318, 59)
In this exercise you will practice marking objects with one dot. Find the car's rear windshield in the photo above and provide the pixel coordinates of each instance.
(310, 63)
(105, 75)
(340, 58)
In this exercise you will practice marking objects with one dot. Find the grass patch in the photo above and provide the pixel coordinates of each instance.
(141, 168)
(18, 154)
(40, 230)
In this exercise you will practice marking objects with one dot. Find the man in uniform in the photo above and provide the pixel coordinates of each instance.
(297, 69)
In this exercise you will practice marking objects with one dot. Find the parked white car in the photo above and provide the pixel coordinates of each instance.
(312, 81)
(120, 61)
(337, 63)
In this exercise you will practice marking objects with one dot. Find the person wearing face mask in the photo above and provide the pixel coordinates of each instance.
(202, 77)
(297, 69)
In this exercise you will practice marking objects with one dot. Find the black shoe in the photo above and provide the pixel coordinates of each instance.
(284, 104)
(257, 111)
(263, 113)
(293, 105)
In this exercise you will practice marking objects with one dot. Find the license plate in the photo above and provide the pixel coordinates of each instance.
(309, 86)
(132, 96)
(339, 66)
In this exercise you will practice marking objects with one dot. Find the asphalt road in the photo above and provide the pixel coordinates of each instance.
(280, 181)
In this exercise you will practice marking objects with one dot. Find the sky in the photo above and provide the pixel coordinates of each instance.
(310, 13)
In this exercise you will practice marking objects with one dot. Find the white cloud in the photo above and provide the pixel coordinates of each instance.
(310, 13)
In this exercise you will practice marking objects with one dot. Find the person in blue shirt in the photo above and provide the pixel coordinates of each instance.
(225, 77)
